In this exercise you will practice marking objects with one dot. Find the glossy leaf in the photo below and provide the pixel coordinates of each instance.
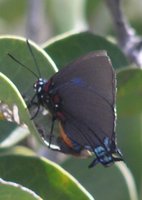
(23, 80)
(17, 150)
(129, 133)
(43, 177)
(129, 93)
(129, 114)
(11, 132)
(103, 183)
(68, 47)
(19, 75)
(9, 190)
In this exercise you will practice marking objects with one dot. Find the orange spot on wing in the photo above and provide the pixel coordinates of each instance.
(64, 136)
(84, 153)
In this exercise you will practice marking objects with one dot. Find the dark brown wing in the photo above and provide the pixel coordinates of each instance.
(87, 89)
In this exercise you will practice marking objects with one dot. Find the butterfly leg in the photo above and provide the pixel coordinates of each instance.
(51, 131)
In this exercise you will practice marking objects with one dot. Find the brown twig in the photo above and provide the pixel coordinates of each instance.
(130, 43)
(36, 22)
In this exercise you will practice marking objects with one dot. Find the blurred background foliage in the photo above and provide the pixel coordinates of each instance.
(56, 17)
(41, 21)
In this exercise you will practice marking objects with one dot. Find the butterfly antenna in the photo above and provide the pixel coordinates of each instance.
(34, 58)
(20, 63)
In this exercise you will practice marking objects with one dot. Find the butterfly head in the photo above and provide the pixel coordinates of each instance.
(41, 87)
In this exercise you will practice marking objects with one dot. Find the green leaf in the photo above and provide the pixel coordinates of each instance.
(18, 150)
(129, 113)
(104, 183)
(69, 47)
(129, 132)
(9, 190)
(19, 75)
(129, 98)
(23, 80)
(10, 97)
(43, 177)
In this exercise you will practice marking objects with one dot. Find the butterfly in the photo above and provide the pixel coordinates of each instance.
(81, 97)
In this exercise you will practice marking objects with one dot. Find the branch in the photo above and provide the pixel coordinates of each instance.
(130, 43)
(37, 26)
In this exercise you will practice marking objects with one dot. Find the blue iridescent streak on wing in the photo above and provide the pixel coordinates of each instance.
(73, 82)
(104, 153)
(78, 82)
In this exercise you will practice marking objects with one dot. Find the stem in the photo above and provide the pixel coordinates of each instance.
(128, 177)
(129, 42)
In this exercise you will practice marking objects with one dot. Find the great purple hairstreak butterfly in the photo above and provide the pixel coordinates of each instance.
(81, 96)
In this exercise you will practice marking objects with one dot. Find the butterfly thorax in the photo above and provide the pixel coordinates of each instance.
(48, 97)
(41, 93)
